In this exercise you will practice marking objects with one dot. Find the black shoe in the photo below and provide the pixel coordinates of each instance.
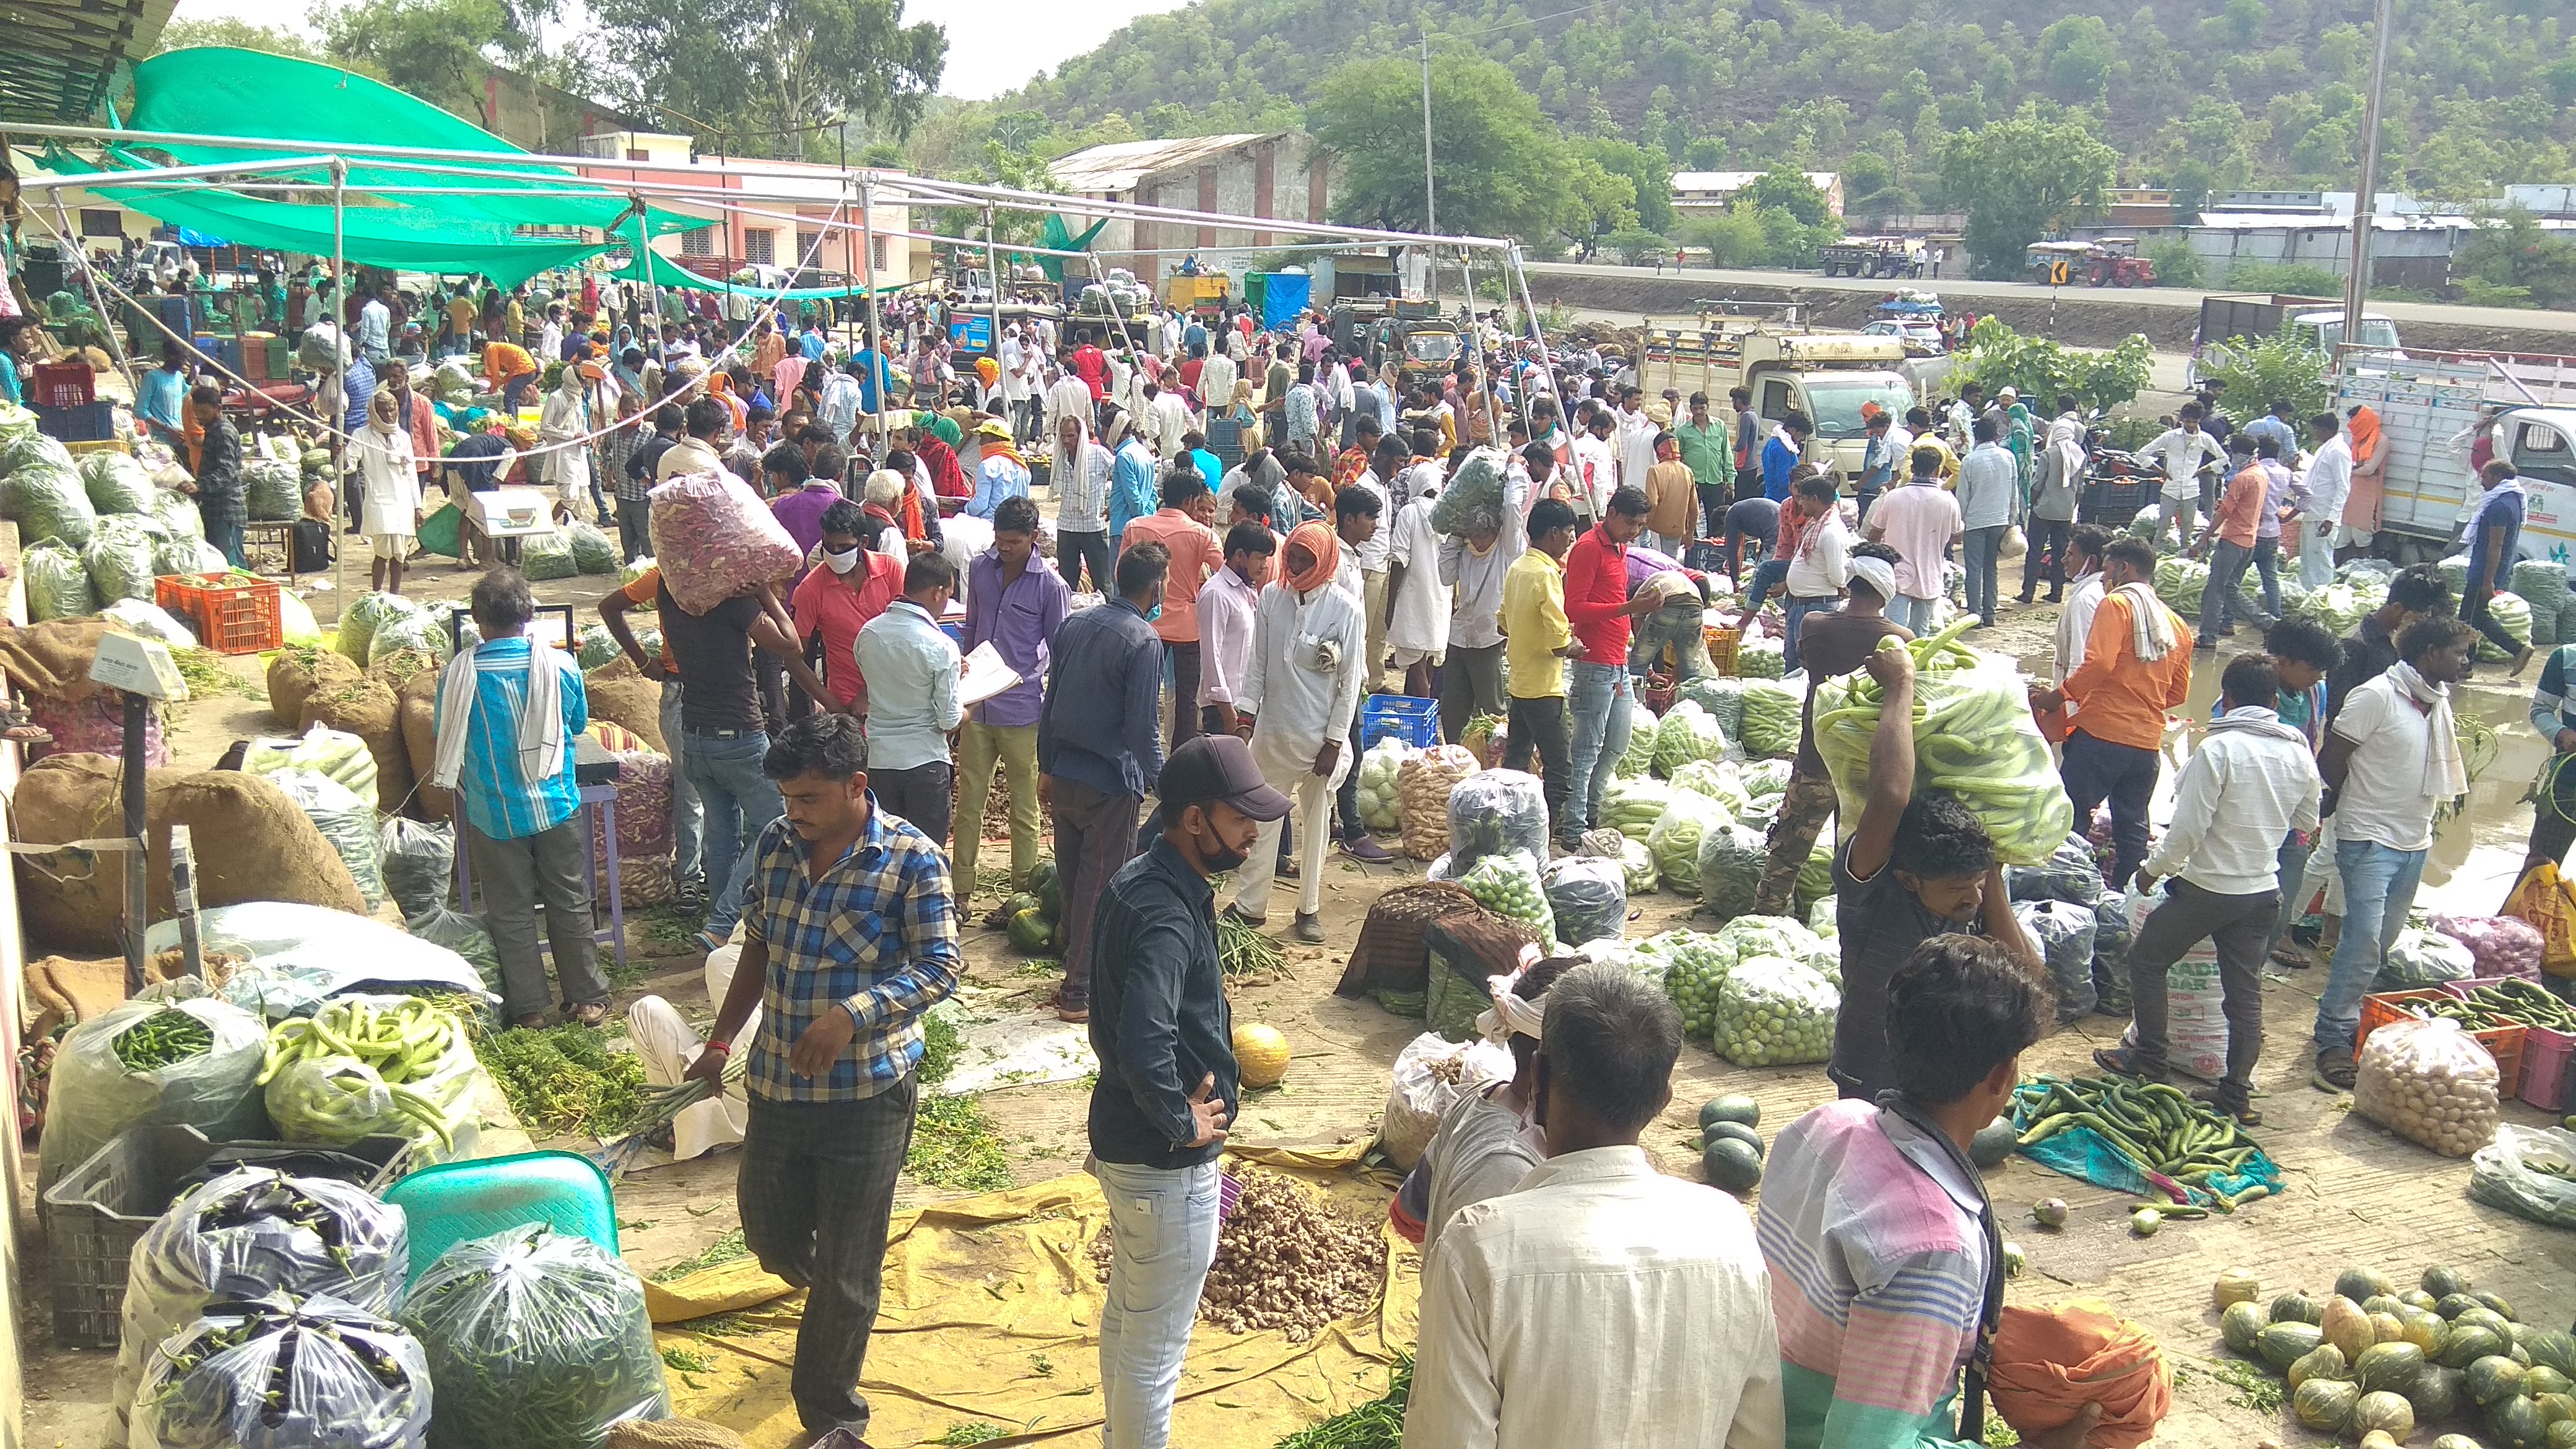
(2125, 1062)
(2234, 1101)
(2335, 1071)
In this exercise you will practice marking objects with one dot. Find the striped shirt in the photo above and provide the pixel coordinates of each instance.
(876, 936)
(1878, 1270)
(499, 799)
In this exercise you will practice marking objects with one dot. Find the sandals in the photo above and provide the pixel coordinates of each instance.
(590, 1014)
(2292, 957)
(707, 942)
(2223, 1098)
(2125, 1062)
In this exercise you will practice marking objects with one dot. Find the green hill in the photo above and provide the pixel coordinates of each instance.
(2198, 93)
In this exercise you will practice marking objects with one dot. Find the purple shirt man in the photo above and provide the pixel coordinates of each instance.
(1019, 617)
(802, 511)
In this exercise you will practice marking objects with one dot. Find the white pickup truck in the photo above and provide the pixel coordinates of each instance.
(2431, 409)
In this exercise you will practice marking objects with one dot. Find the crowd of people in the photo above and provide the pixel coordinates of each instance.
(1248, 541)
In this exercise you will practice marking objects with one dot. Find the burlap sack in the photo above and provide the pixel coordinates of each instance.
(252, 844)
(295, 674)
(52, 660)
(624, 697)
(365, 708)
(401, 667)
(416, 716)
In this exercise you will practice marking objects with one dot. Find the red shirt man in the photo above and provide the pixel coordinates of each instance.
(1093, 369)
(840, 605)
(1596, 581)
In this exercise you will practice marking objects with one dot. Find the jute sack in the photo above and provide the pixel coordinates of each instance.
(252, 844)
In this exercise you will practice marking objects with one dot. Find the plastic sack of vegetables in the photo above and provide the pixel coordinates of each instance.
(1774, 1012)
(174, 1056)
(421, 630)
(1588, 896)
(150, 621)
(419, 861)
(597, 647)
(359, 621)
(1430, 1075)
(1473, 501)
(1722, 697)
(178, 514)
(536, 1339)
(179, 556)
(116, 483)
(1675, 839)
(346, 821)
(1639, 757)
(2425, 958)
(547, 556)
(250, 1232)
(2512, 615)
(1746, 936)
(2180, 583)
(1761, 659)
(1694, 972)
(2501, 945)
(593, 552)
(1714, 778)
(272, 490)
(713, 539)
(1727, 869)
(44, 497)
(2064, 934)
(1378, 803)
(1509, 885)
(2069, 874)
(282, 1372)
(2429, 1082)
(464, 935)
(57, 582)
(1686, 733)
(1765, 778)
(362, 1065)
(2529, 1172)
(1637, 867)
(1632, 806)
(323, 751)
(119, 559)
(1494, 811)
(1973, 737)
(1771, 709)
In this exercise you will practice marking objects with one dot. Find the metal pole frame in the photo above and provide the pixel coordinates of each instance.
(993, 269)
(339, 425)
(874, 339)
(2364, 202)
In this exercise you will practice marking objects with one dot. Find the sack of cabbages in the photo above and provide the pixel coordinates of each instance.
(1588, 896)
(1495, 811)
(1378, 767)
(2431, 1083)
(2425, 958)
(1432, 1073)
(279, 1372)
(253, 1231)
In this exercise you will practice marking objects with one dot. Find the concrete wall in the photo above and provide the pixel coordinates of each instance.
(1284, 177)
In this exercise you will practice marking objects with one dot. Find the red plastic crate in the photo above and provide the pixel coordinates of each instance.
(232, 613)
(2504, 1043)
(64, 385)
(2546, 1081)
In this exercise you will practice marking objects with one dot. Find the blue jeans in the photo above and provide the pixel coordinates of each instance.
(1599, 696)
(1767, 573)
(1914, 614)
(740, 802)
(1798, 611)
(1162, 1230)
(1980, 548)
(2378, 890)
(2291, 868)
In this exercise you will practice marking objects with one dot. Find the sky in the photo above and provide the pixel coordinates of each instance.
(993, 45)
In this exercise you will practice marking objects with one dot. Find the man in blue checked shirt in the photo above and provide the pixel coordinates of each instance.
(849, 938)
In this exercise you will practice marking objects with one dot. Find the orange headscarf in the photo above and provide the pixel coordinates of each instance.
(2049, 1363)
(2363, 425)
(1326, 549)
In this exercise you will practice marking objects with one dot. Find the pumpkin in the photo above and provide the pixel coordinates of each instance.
(1260, 1054)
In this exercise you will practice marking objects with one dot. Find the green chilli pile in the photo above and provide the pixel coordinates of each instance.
(354, 1068)
(1973, 738)
(161, 1039)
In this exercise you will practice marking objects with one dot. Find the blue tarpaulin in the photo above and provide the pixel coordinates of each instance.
(1285, 298)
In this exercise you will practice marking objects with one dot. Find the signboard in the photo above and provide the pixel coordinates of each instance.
(971, 333)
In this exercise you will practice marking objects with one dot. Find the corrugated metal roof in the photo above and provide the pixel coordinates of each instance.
(62, 55)
(1727, 181)
(1119, 165)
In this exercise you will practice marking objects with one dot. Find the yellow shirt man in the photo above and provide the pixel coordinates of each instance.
(1534, 625)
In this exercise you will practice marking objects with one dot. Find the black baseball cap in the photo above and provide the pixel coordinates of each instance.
(1214, 768)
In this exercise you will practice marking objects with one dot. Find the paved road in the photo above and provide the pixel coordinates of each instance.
(2163, 297)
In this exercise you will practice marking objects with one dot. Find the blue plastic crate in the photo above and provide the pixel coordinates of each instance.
(1400, 716)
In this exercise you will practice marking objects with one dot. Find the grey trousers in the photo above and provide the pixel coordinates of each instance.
(2240, 927)
(816, 1191)
(688, 816)
(515, 877)
(1471, 683)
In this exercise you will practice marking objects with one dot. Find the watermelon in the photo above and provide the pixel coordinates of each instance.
(1737, 1131)
(1030, 932)
(1731, 1108)
(1018, 903)
(1993, 1144)
(1730, 1165)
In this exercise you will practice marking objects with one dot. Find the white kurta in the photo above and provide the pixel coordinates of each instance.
(1421, 618)
(1297, 703)
(391, 501)
(565, 417)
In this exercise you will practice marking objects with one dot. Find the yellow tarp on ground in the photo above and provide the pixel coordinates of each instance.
(991, 1316)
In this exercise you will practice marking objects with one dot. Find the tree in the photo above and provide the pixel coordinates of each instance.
(2280, 368)
(1598, 202)
(238, 35)
(2514, 262)
(1999, 357)
(1647, 170)
(2016, 179)
(1785, 188)
(2177, 265)
(1501, 168)
(1637, 247)
(1732, 238)
(2078, 56)
(438, 50)
(765, 75)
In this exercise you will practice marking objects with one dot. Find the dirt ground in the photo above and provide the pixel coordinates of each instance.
(2356, 1195)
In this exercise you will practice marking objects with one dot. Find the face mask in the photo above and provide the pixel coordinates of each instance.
(841, 563)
